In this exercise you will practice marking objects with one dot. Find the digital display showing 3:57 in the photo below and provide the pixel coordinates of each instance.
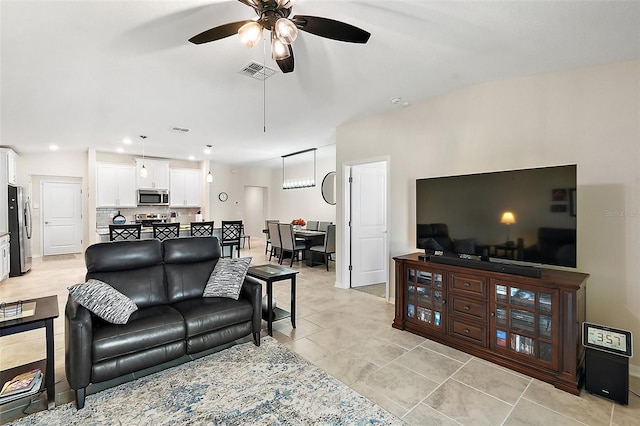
(607, 339)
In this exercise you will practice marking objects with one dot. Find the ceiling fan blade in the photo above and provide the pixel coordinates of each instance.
(218, 33)
(330, 28)
(286, 65)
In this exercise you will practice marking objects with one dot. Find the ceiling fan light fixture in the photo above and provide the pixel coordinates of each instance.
(279, 50)
(286, 30)
(250, 33)
(286, 4)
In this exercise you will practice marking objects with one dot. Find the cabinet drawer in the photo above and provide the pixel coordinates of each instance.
(474, 308)
(471, 284)
(471, 332)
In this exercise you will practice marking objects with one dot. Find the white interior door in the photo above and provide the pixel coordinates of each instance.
(61, 218)
(369, 224)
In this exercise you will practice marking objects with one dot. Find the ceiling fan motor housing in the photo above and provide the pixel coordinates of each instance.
(269, 17)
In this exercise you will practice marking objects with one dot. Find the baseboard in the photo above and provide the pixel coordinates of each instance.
(634, 370)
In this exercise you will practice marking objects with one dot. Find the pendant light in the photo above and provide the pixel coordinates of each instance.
(143, 170)
(295, 175)
(209, 175)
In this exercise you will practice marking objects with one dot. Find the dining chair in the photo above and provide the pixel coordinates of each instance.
(124, 232)
(274, 237)
(289, 242)
(201, 229)
(267, 231)
(329, 246)
(245, 238)
(231, 235)
(312, 225)
(163, 231)
(322, 226)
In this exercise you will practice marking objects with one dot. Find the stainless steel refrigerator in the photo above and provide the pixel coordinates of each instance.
(20, 230)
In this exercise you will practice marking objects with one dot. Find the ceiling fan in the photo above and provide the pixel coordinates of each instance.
(273, 15)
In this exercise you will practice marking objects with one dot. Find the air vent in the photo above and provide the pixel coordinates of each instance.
(179, 129)
(257, 71)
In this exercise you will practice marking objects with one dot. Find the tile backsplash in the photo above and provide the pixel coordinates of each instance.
(104, 216)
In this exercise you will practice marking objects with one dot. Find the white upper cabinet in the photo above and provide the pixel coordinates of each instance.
(157, 174)
(12, 167)
(116, 185)
(185, 188)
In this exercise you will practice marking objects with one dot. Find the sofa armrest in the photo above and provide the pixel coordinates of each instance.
(78, 339)
(252, 291)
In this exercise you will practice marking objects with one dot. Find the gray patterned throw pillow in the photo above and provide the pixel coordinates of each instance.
(104, 301)
(227, 277)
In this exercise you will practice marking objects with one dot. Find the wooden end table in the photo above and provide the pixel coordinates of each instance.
(46, 312)
(270, 274)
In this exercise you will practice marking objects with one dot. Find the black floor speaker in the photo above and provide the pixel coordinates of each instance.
(607, 375)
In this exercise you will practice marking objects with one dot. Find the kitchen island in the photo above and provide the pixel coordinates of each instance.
(147, 232)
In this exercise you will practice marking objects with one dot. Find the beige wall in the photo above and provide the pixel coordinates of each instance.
(33, 169)
(590, 117)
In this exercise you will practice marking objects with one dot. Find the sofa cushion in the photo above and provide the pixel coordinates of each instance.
(208, 314)
(147, 328)
(134, 268)
(227, 278)
(122, 255)
(188, 265)
(145, 286)
(103, 300)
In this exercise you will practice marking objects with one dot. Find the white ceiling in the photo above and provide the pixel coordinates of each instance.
(83, 74)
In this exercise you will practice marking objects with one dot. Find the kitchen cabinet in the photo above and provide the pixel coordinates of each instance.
(184, 188)
(116, 185)
(157, 174)
(4, 259)
(8, 176)
(12, 167)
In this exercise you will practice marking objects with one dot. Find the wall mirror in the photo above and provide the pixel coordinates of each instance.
(329, 188)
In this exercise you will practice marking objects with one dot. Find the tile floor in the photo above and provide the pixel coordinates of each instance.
(348, 333)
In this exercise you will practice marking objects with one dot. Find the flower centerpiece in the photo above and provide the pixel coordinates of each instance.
(298, 223)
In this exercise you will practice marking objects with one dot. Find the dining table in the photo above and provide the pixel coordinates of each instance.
(311, 238)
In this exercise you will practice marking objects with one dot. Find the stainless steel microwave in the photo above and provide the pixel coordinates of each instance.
(153, 197)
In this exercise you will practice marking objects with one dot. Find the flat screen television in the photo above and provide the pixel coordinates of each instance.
(525, 216)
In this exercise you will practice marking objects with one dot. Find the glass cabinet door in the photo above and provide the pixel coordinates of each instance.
(425, 297)
(523, 321)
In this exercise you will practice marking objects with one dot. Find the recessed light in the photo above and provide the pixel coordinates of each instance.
(396, 100)
(406, 103)
(191, 157)
(126, 141)
(120, 150)
(53, 147)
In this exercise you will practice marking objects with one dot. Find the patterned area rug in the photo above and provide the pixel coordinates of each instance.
(242, 385)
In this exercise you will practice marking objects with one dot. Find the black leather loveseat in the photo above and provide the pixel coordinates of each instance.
(166, 281)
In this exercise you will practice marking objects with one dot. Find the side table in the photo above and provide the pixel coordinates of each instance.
(46, 312)
(270, 274)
